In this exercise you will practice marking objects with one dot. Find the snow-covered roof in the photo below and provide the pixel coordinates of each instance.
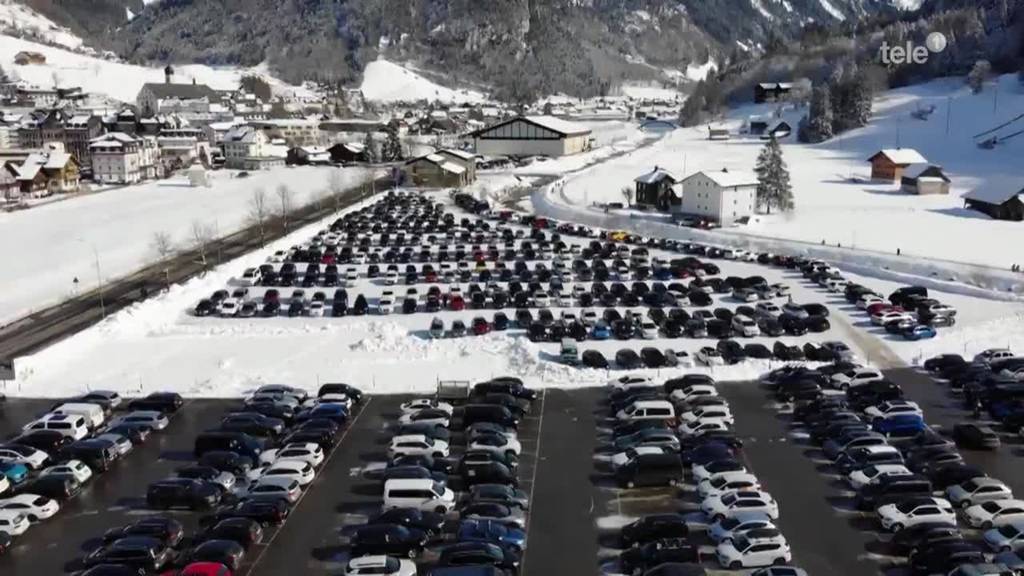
(457, 153)
(901, 156)
(996, 191)
(656, 175)
(728, 179)
(918, 171)
(558, 125)
(242, 134)
(441, 163)
(120, 137)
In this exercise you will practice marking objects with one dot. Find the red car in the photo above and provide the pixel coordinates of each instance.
(456, 303)
(880, 306)
(480, 326)
(271, 296)
(201, 569)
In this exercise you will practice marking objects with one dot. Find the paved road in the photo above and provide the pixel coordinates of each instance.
(40, 329)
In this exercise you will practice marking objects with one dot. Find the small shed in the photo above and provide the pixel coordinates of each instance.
(344, 152)
(778, 130)
(718, 134)
(434, 170)
(888, 164)
(757, 125)
(1000, 200)
(924, 179)
(655, 189)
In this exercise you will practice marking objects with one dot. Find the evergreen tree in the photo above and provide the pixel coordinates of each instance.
(979, 73)
(391, 151)
(817, 126)
(773, 187)
(371, 148)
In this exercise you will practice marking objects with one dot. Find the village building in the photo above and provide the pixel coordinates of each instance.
(436, 171)
(998, 199)
(888, 164)
(721, 197)
(532, 136)
(119, 158)
(307, 155)
(778, 130)
(169, 97)
(179, 147)
(46, 172)
(248, 148)
(348, 152)
(462, 158)
(657, 189)
(73, 132)
(294, 131)
(923, 179)
(771, 91)
(10, 190)
(352, 125)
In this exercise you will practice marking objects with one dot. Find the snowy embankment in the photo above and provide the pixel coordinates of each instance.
(47, 247)
(862, 223)
(118, 80)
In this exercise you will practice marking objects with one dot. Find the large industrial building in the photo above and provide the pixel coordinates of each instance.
(532, 136)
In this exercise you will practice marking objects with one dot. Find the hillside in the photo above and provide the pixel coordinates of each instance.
(522, 48)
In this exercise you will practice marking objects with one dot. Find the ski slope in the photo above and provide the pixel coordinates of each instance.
(387, 82)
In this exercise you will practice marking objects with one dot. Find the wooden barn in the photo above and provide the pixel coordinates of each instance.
(656, 189)
(1000, 200)
(924, 179)
(889, 164)
(771, 91)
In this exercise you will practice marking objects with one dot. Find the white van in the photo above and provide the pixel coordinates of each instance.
(648, 410)
(421, 493)
(71, 425)
(93, 413)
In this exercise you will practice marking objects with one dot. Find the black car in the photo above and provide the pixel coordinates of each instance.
(390, 539)
(226, 552)
(653, 527)
(652, 357)
(817, 324)
(479, 554)
(49, 441)
(263, 511)
(944, 557)
(594, 359)
(143, 552)
(787, 352)
(183, 493)
(816, 310)
(166, 402)
(732, 351)
(60, 488)
(428, 429)
(97, 454)
(167, 530)
(500, 494)
(757, 351)
(232, 462)
(975, 436)
(430, 523)
(792, 324)
(908, 539)
(489, 473)
(423, 460)
(338, 388)
(244, 531)
(627, 359)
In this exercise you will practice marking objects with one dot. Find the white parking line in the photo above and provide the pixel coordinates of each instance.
(323, 467)
(533, 479)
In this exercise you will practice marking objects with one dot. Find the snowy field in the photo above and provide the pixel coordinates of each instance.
(834, 202)
(48, 246)
(159, 345)
(387, 82)
(118, 80)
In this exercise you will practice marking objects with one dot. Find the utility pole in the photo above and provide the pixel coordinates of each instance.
(99, 281)
(949, 112)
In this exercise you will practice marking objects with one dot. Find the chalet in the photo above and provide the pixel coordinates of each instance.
(307, 155)
(436, 171)
(532, 136)
(10, 190)
(718, 134)
(247, 148)
(722, 197)
(778, 131)
(462, 158)
(347, 152)
(771, 91)
(924, 179)
(889, 164)
(656, 189)
(999, 199)
(47, 172)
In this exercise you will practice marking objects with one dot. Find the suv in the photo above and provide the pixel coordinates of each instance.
(650, 470)
(144, 552)
(183, 492)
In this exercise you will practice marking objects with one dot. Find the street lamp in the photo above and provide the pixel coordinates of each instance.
(99, 275)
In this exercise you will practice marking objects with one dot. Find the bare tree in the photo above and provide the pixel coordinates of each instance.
(627, 194)
(163, 245)
(284, 197)
(202, 236)
(259, 212)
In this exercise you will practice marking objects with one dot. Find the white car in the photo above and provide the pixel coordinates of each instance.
(745, 326)
(342, 399)
(541, 300)
(621, 458)
(742, 552)
(71, 425)
(301, 472)
(780, 290)
(316, 309)
(14, 522)
(693, 391)
(424, 403)
(5, 484)
(1006, 538)
(275, 488)
(380, 566)
(228, 307)
(590, 318)
(727, 482)
(497, 443)
(728, 504)
(631, 381)
(428, 416)
(993, 354)
(994, 513)
(729, 528)
(386, 303)
(33, 506)
(883, 316)
(417, 445)
(768, 308)
(855, 377)
(978, 490)
(702, 427)
(911, 512)
(892, 408)
(26, 455)
(868, 475)
(868, 300)
(152, 418)
(648, 330)
(707, 413)
(709, 356)
(72, 469)
(836, 284)
(307, 452)
(390, 278)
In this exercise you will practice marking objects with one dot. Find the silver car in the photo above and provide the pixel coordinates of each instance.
(152, 418)
(121, 444)
(274, 488)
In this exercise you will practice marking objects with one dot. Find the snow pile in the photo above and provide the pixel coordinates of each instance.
(56, 247)
(650, 92)
(23, 19)
(118, 80)
(385, 81)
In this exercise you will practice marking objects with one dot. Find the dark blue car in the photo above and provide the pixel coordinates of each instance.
(900, 426)
(491, 531)
(600, 331)
(334, 412)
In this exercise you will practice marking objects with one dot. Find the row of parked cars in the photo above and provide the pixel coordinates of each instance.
(678, 431)
(451, 486)
(72, 444)
(248, 473)
(991, 382)
(912, 478)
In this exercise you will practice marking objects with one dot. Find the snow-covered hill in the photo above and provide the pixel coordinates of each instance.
(117, 80)
(385, 81)
(24, 20)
